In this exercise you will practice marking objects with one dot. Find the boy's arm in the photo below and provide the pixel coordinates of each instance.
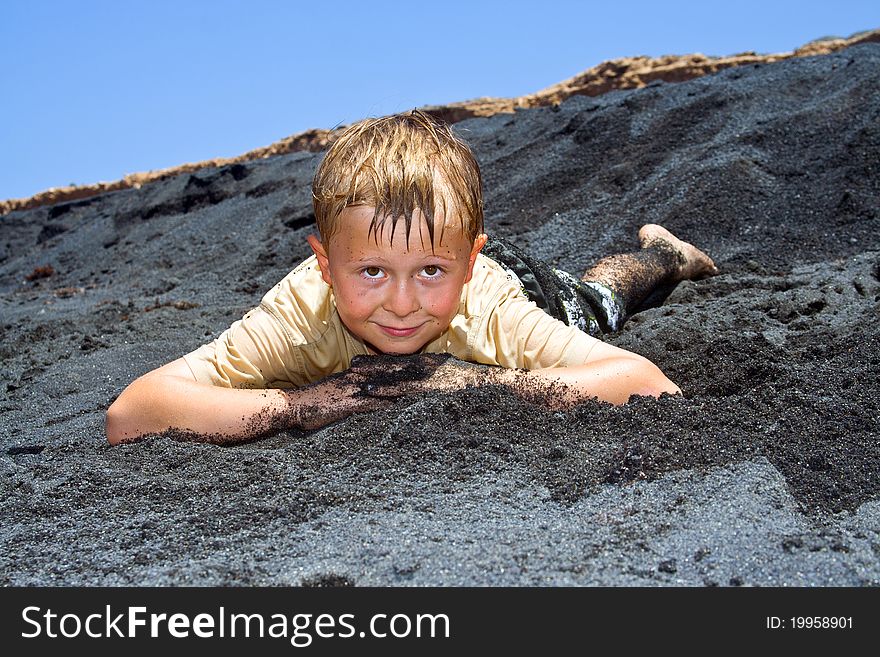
(170, 398)
(610, 374)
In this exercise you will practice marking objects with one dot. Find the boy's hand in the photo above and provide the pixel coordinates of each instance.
(394, 376)
(332, 399)
(374, 382)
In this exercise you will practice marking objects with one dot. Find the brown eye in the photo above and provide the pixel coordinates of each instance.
(432, 270)
(372, 272)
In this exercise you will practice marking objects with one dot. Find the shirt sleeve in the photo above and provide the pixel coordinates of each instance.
(255, 352)
(516, 333)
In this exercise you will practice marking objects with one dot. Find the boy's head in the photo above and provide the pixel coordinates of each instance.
(398, 164)
(397, 284)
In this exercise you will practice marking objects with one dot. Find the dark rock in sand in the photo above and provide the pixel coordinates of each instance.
(767, 472)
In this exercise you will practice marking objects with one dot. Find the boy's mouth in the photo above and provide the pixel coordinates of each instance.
(399, 332)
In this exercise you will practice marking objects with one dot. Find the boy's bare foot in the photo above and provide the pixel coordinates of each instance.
(694, 263)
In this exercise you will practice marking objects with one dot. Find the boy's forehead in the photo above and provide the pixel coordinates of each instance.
(355, 222)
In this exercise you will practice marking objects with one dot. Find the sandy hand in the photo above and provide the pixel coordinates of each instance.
(394, 376)
(372, 383)
(331, 399)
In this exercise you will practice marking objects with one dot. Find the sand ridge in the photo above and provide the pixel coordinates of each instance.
(624, 73)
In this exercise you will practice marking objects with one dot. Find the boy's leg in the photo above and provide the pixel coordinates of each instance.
(624, 281)
(610, 291)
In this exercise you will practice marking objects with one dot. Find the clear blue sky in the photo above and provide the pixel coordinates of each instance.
(95, 89)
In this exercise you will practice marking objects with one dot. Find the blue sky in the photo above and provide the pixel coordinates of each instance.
(95, 89)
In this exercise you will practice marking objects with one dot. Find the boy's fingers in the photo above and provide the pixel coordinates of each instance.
(370, 362)
(387, 391)
(380, 364)
(368, 404)
(380, 392)
(360, 362)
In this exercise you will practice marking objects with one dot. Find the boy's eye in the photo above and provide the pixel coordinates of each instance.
(432, 271)
(372, 272)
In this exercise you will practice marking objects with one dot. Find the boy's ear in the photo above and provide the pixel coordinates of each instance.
(323, 260)
(479, 243)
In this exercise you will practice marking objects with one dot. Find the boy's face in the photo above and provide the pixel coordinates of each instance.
(396, 299)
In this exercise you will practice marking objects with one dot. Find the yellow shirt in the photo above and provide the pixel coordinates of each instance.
(295, 337)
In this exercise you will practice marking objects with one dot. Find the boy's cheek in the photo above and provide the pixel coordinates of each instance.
(446, 306)
(348, 307)
(354, 303)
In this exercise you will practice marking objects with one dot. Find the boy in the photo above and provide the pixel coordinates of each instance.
(396, 287)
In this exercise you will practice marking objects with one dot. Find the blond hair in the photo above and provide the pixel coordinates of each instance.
(398, 164)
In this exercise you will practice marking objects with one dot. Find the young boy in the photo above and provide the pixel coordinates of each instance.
(402, 280)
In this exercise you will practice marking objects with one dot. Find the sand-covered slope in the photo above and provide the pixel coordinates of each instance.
(766, 473)
(612, 75)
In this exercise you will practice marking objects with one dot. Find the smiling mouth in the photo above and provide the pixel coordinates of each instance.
(399, 332)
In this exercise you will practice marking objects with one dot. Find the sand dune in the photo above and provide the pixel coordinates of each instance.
(767, 472)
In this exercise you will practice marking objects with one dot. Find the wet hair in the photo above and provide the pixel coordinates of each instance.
(398, 164)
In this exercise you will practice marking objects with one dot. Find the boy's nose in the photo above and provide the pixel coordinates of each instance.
(402, 300)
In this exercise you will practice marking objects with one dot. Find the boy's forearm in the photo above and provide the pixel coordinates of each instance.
(203, 412)
(157, 403)
(612, 380)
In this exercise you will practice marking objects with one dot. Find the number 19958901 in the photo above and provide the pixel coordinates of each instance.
(810, 623)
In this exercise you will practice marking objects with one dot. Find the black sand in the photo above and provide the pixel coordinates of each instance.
(766, 473)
